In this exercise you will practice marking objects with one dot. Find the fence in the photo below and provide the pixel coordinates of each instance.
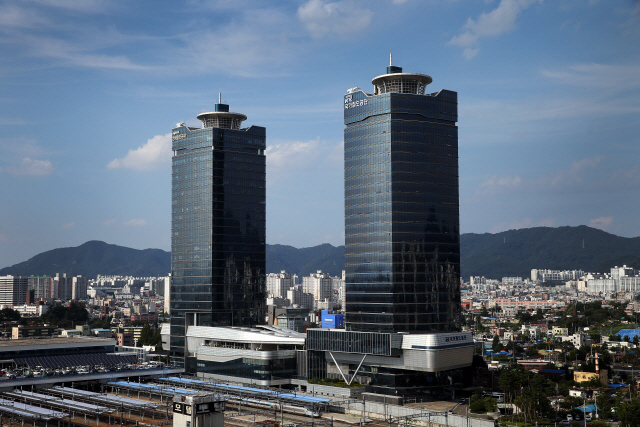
(413, 416)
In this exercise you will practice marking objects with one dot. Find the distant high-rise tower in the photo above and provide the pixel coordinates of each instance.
(217, 225)
(402, 231)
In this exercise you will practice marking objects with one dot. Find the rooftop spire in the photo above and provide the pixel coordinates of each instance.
(390, 59)
(219, 97)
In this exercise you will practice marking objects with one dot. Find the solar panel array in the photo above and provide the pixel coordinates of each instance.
(105, 398)
(152, 388)
(29, 411)
(59, 402)
(68, 361)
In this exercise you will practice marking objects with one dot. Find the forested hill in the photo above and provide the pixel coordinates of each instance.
(96, 257)
(516, 252)
(93, 258)
(510, 253)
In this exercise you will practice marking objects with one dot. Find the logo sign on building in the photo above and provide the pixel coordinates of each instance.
(203, 408)
(181, 408)
(350, 103)
(456, 338)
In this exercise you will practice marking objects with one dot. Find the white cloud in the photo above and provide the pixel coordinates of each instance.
(543, 115)
(571, 178)
(252, 41)
(496, 183)
(69, 225)
(253, 49)
(21, 147)
(84, 6)
(603, 223)
(155, 154)
(609, 77)
(108, 222)
(573, 175)
(323, 18)
(20, 158)
(30, 167)
(78, 54)
(14, 16)
(289, 158)
(469, 52)
(500, 20)
(136, 222)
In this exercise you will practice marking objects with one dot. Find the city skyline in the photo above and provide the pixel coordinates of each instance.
(548, 122)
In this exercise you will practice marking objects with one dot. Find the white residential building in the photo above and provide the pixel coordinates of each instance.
(42, 286)
(621, 279)
(318, 284)
(299, 298)
(31, 309)
(555, 275)
(13, 290)
(279, 283)
(578, 339)
(481, 283)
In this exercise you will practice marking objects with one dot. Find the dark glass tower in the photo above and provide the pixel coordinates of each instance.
(217, 225)
(402, 231)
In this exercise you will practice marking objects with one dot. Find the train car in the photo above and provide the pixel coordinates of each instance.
(299, 410)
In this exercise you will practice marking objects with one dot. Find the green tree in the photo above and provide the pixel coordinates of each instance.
(145, 335)
(66, 317)
(9, 314)
(496, 346)
(629, 413)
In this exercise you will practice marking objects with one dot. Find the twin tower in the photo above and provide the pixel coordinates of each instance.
(402, 233)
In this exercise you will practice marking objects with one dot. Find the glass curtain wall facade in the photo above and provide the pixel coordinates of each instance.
(401, 207)
(217, 226)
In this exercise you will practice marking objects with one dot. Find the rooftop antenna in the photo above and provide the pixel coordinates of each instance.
(390, 58)
(219, 97)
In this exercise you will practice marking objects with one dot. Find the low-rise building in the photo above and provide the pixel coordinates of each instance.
(19, 332)
(102, 333)
(578, 339)
(581, 377)
(124, 338)
(144, 317)
(556, 330)
(265, 356)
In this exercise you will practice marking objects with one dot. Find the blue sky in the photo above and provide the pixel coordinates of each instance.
(548, 92)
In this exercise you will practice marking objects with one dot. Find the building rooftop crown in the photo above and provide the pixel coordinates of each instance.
(221, 117)
(395, 81)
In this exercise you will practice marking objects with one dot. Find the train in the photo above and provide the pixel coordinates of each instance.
(299, 410)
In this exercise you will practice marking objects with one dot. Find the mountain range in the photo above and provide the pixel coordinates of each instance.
(509, 253)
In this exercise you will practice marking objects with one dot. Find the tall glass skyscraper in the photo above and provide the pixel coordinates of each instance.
(217, 225)
(402, 231)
